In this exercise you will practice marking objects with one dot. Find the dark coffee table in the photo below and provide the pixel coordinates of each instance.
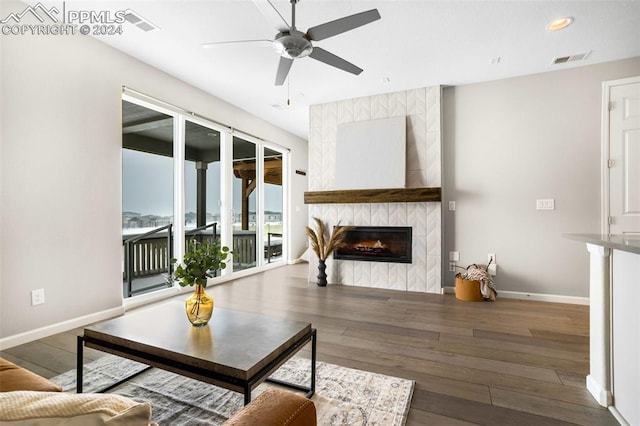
(236, 350)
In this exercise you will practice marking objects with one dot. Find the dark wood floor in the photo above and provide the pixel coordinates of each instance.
(504, 363)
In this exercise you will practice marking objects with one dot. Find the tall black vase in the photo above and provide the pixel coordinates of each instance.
(322, 275)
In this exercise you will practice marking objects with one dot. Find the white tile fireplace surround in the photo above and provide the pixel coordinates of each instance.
(422, 110)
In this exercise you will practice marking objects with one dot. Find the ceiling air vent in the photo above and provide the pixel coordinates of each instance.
(571, 58)
(136, 19)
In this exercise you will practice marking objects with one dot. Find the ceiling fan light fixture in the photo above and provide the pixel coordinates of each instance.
(292, 46)
(560, 23)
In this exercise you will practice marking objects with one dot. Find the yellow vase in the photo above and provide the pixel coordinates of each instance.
(199, 307)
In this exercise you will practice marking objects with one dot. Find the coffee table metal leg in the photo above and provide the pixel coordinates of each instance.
(80, 371)
(311, 389)
(313, 364)
(247, 394)
(79, 363)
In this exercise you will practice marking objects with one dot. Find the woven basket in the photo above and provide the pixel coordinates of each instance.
(467, 290)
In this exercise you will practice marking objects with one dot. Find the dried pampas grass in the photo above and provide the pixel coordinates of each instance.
(319, 243)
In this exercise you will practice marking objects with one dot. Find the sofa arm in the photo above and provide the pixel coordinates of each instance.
(15, 378)
(276, 407)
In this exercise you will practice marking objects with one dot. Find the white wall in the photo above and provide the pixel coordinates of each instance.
(510, 142)
(60, 205)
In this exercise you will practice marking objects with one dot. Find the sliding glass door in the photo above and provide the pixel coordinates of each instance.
(272, 218)
(147, 197)
(220, 183)
(201, 183)
(245, 241)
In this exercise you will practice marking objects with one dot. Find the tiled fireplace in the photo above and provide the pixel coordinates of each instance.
(421, 107)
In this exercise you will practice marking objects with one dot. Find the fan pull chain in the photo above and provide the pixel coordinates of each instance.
(289, 91)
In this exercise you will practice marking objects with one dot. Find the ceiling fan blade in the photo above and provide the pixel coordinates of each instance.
(226, 43)
(329, 58)
(271, 14)
(283, 70)
(339, 26)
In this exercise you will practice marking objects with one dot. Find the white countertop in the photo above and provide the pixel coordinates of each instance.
(629, 243)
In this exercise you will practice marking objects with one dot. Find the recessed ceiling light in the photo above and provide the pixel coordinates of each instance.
(559, 24)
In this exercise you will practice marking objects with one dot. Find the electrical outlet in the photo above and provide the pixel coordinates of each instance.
(454, 256)
(491, 256)
(452, 206)
(493, 269)
(37, 297)
(452, 266)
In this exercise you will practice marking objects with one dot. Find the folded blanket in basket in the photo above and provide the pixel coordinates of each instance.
(476, 273)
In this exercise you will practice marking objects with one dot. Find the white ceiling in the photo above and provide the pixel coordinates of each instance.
(414, 44)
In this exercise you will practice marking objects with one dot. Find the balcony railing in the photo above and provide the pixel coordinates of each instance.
(244, 249)
(149, 255)
(273, 248)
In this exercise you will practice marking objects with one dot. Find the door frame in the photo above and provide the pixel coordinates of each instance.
(605, 209)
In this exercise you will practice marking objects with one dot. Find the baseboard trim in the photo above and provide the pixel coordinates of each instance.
(618, 416)
(555, 298)
(61, 327)
(601, 395)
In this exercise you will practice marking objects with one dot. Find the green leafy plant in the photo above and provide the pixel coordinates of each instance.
(200, 261)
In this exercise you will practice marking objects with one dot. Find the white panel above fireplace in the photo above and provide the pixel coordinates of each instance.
(371, 154)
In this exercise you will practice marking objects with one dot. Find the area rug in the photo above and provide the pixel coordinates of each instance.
(344, 396)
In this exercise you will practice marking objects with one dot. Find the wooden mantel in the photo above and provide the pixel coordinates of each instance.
(395, 195)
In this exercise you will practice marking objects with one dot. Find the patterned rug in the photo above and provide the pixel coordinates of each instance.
(344, 396)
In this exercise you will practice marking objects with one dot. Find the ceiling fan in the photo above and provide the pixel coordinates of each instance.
(292, 44)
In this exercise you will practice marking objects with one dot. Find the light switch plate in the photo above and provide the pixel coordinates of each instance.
(546, 204)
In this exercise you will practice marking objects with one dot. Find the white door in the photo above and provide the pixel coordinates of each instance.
(624, 156)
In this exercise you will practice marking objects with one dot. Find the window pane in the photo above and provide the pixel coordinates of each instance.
(201, 183)
(147, 197)
(273, 236)
(244, 204)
